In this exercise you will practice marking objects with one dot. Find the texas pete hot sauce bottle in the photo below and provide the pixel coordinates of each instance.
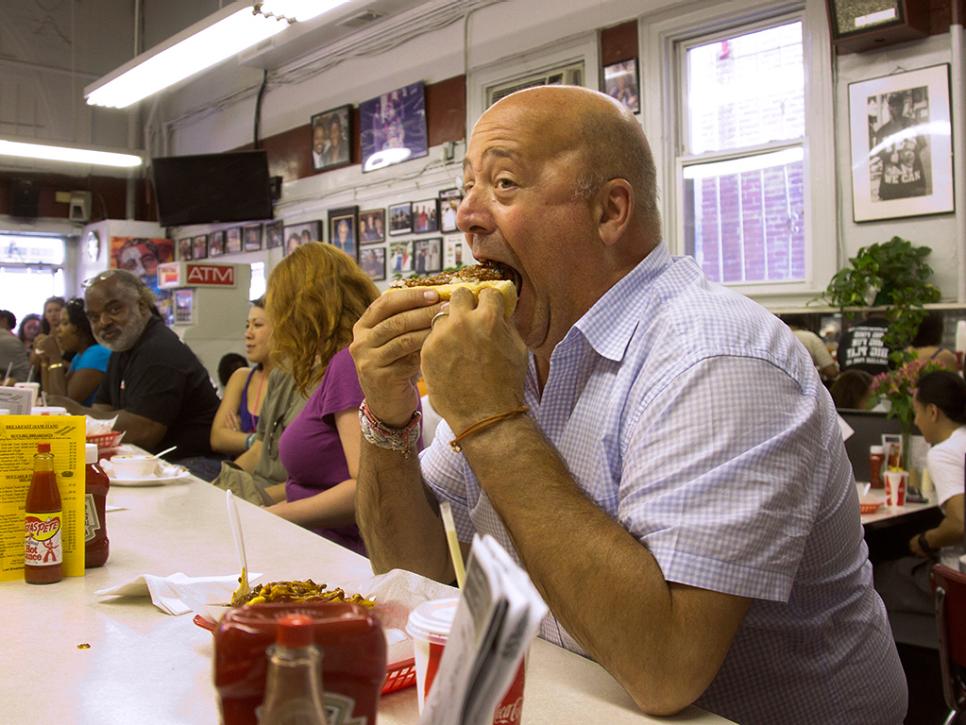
(43, 546)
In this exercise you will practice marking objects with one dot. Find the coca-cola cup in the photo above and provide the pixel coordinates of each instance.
(895, 487)
(429, 626)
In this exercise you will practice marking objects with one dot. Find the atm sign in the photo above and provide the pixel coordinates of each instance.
(210, 275)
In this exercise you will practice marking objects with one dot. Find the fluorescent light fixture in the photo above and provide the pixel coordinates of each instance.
(69, 154)
(296, 10)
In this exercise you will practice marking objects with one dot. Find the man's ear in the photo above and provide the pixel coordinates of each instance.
(614, 208)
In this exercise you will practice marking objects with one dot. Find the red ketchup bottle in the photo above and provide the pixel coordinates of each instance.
(96, 545)
(43, 545)
(876, 459)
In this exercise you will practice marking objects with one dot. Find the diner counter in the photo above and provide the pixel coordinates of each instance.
(144, 666)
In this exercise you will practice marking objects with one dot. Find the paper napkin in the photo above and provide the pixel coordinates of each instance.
(178, 593)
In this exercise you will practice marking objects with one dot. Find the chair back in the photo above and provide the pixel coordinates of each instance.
(949, 597)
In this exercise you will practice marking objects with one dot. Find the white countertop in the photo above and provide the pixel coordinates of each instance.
(144, 666)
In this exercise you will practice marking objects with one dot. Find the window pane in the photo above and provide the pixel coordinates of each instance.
(256, 288)
(746, 90)
(25, 289)
(743, 219)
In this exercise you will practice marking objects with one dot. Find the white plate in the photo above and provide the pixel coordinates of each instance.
(169, 474)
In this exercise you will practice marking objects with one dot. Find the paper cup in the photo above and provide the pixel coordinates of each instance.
(34, 391)
(429, 626)
(48, 410)
(895, 488)
(134, 466)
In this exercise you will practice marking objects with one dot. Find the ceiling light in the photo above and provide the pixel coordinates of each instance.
(295, 10)
(69, 154)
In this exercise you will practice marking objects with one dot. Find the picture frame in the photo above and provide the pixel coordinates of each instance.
(274, 234)
(343, 228)
(216, 243)
(622, 81)
(373, 262)
(456, 253)
(372, 226)
(298, 234)
(392, 127)
(199, 246)
(449, 203)
(428, 255)
(400, 258)
(426, 216)
(233, 240)
(901, 139)
(252, 237)
(331, 145)
(400, 218)
(184, 248)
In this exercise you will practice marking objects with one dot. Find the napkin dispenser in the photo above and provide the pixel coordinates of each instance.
(353, 659)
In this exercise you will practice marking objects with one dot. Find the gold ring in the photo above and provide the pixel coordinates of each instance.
(436, 317)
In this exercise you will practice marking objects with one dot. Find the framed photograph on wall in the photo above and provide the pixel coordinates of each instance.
(400, 258)
(373, 262)
(621, 82)
(296, 234)
(456, 253)
(184, 248)
(428, 255)
(901, 145)
(216, 243)
(372, 226)
(274, 234)
(343, 230)
(233, 240)
(425, 216)
(252, 234)
(400, 218)
(199, 246)
(393, 127)
(332, 138)
(449, 204)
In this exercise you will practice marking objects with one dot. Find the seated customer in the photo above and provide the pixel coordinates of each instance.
(233, 431)
(14, 360)
(634, 435)
(229, 363)
(820, 355)
(80, 378)
(155, 384)
(315, 295)
(927, 344)
(851, 390)
(861, 346)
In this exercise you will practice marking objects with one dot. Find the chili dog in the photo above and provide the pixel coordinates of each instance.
(474, 278)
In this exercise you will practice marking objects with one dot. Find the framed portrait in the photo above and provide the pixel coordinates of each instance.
(343, 230)
(428, 255)
(393, 127)
(425, 216)
(373, 262)
(332, 138)
(252, 236)
(274, 234)
(621, 81)
(400, 218)
(372, 226)
(901, 145)
(456, 253)
(184, 248)
(449, 203)
(216, 243)
(400, 258)
(296, 234)
(233, 240)
(199, 246)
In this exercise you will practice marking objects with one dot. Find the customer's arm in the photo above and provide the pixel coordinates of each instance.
(948, 533)
(225, 434)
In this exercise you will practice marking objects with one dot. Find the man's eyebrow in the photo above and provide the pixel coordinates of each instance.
(493, 151)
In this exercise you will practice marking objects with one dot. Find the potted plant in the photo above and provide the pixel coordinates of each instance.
(892, 274)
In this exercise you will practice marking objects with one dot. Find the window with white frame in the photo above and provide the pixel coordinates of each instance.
(742, 161)
(31, 270)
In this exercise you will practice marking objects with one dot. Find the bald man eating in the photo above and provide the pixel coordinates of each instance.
(657, 451)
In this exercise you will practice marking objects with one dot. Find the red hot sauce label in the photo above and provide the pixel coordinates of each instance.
(42, 546)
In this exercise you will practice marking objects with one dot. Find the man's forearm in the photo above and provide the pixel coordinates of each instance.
(652, 636)
(399, 525)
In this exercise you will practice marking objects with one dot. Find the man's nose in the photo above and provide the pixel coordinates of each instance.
(473, 214)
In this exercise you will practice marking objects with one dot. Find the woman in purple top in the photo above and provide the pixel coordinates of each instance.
(315, 295)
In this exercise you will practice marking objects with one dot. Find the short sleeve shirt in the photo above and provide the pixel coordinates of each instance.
(862, 348)
(947, 467)
(161, 379)
(693, 418)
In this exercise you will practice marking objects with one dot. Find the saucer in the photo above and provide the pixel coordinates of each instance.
(169, 474)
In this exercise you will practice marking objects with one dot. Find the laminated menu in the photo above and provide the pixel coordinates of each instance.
(19, 435)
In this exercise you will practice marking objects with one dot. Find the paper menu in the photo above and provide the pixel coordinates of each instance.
(17, 400)
(19, 435)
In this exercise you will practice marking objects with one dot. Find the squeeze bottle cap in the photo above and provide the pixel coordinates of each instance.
(90, 453)
(43, 448)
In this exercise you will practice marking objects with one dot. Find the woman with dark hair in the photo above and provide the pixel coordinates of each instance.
(30, 327)
(851, 390)
(80, 378)
(927, 344)
(52, 308)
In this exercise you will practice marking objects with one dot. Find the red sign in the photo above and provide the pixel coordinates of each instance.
(169, 274)
(210, 275)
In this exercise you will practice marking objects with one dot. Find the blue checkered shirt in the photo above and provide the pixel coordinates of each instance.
(694, 418)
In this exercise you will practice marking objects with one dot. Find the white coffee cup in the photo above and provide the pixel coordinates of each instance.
(48, 410)
(134, 466)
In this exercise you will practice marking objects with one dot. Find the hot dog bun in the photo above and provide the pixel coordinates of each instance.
(468, 277)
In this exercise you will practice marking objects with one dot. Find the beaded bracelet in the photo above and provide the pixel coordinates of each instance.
(380, 435)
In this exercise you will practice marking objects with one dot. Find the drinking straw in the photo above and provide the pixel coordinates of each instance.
(9, 369)
(30, 374)
(454, 544)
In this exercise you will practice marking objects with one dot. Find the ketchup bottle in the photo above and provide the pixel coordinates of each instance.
(96, 544)
(43, 547)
